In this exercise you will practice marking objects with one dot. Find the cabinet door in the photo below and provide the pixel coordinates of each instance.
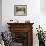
(20, 37)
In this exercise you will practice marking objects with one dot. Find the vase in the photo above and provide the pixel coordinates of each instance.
(41, 43)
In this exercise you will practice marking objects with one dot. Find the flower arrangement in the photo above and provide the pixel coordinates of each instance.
(40, 34)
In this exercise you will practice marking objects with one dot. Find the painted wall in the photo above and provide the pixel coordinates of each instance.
(0, 15)
(43, 14)
(34, 14)
(33, 11)
(43, 6)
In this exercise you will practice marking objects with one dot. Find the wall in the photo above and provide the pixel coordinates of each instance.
(34, 14)
(33, 10)
(43, 14)
(43, 6)
(0, 15)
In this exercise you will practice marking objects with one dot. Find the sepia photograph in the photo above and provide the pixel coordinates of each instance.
(20, 10)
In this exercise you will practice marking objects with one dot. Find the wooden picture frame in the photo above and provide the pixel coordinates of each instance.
(20, 10)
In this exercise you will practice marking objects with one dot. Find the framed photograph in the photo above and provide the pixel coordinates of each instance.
(20, 10)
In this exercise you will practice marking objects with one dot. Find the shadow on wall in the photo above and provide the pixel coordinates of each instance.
(0, 15)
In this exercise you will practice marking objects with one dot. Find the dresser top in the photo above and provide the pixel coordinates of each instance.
(19, 23)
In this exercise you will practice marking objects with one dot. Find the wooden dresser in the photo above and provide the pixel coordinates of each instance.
(22, 33)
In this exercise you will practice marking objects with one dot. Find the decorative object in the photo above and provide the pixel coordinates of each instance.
(20, 10)
(41, 36)
(27, 21)
(13, 21)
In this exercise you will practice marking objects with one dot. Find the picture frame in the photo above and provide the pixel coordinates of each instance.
(20, 10)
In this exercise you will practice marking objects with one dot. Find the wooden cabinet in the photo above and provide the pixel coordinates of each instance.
(22, 33)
